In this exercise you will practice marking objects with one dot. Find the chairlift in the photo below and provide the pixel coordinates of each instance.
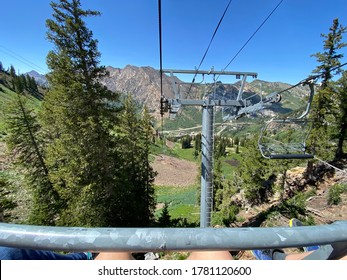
(284, 139)
(275, 142)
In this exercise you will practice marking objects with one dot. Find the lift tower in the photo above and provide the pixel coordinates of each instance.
(208, 105)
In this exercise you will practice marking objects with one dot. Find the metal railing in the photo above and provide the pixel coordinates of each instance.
(74, 239)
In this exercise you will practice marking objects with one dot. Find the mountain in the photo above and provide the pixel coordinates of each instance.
(144, 84)
(40, 79)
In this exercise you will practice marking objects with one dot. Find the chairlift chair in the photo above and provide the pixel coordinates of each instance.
(273, 147)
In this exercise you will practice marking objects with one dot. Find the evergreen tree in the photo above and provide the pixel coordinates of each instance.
(255, 172)
(136, 175)
(197, 145)
(224, 203)
(186, 142)
(78, 118)
(219, 183)
(23, 141)
(6, 202)
(31, 84)
(23, 82)
(236, 140)
(13, 72)
(330, 58)
(164, 219)
(323, 102)
(147, 138)
(341, 115)
(220, 149)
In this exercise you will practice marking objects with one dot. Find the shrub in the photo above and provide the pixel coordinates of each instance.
(334, 194)
(186, 142)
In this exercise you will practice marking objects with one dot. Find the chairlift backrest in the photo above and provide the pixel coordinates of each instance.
(275, 149)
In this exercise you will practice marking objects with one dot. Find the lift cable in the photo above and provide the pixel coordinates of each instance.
(161, 69)
(313, 78)
(250, 38)
(325, 162)
(209, 45)
(22, 59)
(160, 49)
(310, 78)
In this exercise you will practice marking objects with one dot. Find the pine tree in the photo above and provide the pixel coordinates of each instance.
(197, 145)
(330, 58)
(147, 170)
(13, 76)
(164, 219)
(221, 146)
(24, 141)
(219, 183)
(12, 72)
(136, 175)
(6, 202)
(31, 84)
(23, 82)
(78, 118)
(341, 115)
(186, 142)
(323, 102)
(254, 172)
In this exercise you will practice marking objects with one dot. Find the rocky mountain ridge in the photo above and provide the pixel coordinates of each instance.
(144, 84)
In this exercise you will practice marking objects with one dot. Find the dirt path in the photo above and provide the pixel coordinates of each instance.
(174, 172)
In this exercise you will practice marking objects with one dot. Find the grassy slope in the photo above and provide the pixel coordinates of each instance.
(183, 201)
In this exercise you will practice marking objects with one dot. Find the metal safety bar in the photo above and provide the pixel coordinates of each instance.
(76, 239)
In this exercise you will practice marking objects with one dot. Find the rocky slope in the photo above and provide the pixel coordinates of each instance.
(144, 84)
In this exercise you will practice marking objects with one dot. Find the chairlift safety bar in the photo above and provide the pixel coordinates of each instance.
(76, 239)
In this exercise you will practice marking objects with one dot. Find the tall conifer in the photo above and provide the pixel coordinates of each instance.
(78, 116)
(136, 175)
(324, 101)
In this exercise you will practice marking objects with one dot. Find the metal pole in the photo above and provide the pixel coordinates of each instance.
(73, 239)
(206, 198)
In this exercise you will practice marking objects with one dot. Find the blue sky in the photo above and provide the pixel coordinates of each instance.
(128, 34)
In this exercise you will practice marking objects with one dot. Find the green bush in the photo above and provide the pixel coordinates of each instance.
(186, 142)
(226, 216)
(334, 194)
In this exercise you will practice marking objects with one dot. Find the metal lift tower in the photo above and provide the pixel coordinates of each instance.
(173, 106)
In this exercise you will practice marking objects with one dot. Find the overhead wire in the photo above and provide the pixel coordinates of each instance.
(251, 37)
(160, 49)
(209, 45)
(314, 77)
(330, 165)
(161, 67)
(22, 59)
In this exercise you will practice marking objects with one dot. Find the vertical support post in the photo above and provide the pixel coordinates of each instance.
(206, 200)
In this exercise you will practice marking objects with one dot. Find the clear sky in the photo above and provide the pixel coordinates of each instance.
(127, 32)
